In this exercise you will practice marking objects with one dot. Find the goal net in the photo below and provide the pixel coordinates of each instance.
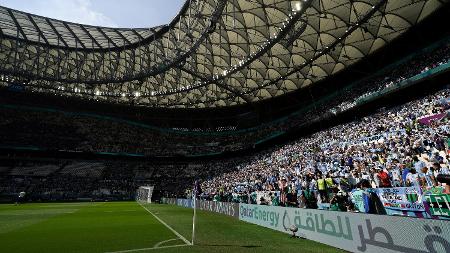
(144, 194)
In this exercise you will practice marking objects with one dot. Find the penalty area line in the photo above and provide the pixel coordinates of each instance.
(169, 227)
(145, 249)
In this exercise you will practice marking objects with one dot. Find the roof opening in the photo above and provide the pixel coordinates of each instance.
(107, 13)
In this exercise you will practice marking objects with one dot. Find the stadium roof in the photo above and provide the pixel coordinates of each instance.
(214, 53)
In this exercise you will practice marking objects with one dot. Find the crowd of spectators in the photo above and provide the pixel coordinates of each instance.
(403, 146)
(82, 180)
(385, 79)
(71, 181)
(55, 130)
(407, 145)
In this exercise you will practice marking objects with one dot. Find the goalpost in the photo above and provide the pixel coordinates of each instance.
(144, 194)
(144, 197)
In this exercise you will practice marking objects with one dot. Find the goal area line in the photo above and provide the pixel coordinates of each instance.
(157, 245)
(146, 249)
(169, 227)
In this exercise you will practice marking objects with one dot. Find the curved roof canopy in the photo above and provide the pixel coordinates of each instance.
(214, 53)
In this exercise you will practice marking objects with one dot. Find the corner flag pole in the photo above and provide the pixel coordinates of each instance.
(193, 219)
(195, 191)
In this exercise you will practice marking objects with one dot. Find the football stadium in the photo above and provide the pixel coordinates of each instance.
(224, 126)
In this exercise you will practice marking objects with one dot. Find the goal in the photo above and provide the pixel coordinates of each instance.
(144, 198)
(144, 194)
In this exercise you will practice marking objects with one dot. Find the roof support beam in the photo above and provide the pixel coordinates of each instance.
(125, 38)
(56, 32)
(74, 35)
(37, 28)
(139, 35)
(225, 87)
(90, 36)
(107, 37)
(18, 27)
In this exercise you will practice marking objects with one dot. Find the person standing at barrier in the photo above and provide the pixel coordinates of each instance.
(292, 198)
(366, 200)
(322, 188)
(384, 179)
(395, 175)
(426, 179)
(358, 198)
(412, 179)
(339, 201)
(282, 184)
(405, 171)
(331, 185)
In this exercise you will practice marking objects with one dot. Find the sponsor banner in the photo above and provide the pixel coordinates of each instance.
(170, 201)
(230, 209)
(401, 198)
(188, 203)
(439, 204)
(354, 232)
(227, 208)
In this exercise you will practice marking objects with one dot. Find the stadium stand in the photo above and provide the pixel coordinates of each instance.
(252, 109)
(34, 170)
(409, 142)
(91, 170)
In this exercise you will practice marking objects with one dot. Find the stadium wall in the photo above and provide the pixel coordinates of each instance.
(354, 232)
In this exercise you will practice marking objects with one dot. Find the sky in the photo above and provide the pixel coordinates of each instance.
(109, 13)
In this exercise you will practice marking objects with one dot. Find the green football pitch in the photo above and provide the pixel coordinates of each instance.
(122, 227)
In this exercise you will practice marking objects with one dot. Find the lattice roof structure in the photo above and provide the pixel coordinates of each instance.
(214, 53)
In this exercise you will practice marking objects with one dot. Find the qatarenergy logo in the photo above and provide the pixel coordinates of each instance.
(260, 215)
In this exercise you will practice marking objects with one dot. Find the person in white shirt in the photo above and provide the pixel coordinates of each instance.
(412, 178)
(396, 177)
(444, 169)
